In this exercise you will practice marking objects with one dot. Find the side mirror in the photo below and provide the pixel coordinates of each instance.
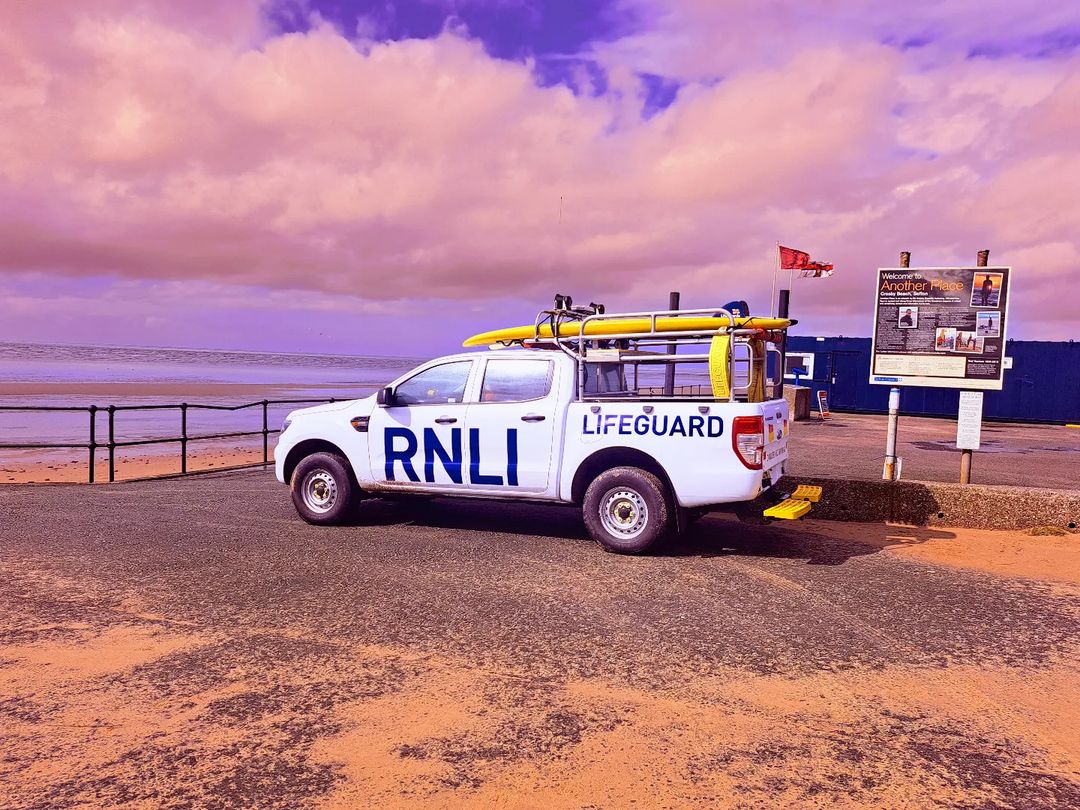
(385, 397)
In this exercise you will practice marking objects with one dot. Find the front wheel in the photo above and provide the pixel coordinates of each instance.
(626, 510)
(323, 489)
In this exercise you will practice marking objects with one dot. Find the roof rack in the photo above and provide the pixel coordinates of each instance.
(736, 357)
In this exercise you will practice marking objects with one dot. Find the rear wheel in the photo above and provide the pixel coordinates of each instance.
(627, 510)
(323, 489)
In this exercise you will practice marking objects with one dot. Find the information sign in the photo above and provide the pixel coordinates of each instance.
(969, 423)
(940, 326)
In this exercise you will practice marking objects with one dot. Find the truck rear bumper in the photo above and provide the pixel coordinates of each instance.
(733, 486)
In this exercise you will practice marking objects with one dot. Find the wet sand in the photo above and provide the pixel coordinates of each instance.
(70, 465)
(105, 393)
(166, 646)
(131, 464)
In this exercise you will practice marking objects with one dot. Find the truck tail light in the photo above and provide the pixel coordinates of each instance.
(748, 439)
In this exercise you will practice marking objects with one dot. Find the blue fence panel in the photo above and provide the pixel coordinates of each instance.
(1042, 386)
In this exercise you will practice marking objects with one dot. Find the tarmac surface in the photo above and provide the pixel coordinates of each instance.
(852, 445)
(192, 642)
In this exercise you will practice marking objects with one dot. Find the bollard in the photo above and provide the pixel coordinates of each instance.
(889, 473)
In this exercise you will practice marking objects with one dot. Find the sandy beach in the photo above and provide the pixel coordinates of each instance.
(33, 467)
(76, 377)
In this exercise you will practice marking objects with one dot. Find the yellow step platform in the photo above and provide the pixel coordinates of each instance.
(797, 505)
(791, 509)
(805, 492)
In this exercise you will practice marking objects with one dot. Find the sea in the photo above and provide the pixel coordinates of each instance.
(66, 376)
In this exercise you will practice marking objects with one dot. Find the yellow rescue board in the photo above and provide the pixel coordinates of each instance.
(622, 326)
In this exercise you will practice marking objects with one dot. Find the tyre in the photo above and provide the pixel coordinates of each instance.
(627, 510)
(324, 491)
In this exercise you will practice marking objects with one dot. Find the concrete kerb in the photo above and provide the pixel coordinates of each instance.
(931, 503)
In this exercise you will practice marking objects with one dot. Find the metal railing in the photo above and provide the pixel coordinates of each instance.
(92, 446)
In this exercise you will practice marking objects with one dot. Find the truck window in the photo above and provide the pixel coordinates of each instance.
(516, 380)
(439, 385)
(604, 378)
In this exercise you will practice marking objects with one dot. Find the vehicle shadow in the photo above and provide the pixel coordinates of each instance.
(719, 534)
(501, 517)
(817, 542)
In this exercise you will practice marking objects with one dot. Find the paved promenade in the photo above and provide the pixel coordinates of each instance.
(853, 446)
(191, 642)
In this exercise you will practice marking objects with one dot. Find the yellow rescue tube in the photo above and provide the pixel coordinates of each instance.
(719, 357)
(627, 326)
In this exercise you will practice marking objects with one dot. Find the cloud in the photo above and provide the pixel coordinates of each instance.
(156, 143)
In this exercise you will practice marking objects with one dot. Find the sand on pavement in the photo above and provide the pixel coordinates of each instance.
(204, 668)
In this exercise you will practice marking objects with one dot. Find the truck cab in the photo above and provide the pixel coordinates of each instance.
(536, 422)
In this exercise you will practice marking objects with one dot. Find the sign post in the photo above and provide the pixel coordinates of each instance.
(968, 430)
(942, 327)
(889, 472)
(971, 403)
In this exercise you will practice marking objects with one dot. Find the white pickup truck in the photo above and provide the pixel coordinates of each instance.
(539, 424)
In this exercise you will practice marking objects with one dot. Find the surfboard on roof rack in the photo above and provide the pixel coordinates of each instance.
(609, 327)
(734, 347)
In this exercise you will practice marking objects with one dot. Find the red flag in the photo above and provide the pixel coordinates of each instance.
(791, 259)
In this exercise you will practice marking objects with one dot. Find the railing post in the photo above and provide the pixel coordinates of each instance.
(183, 438)
(93, 442)
(112, 443)
(266, 434)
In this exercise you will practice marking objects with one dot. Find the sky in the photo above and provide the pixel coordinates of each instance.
(390, 177)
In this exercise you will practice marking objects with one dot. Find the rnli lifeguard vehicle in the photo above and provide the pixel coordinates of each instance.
(646, 420)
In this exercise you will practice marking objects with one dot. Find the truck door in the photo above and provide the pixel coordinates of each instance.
(512, 426)
(419, 442)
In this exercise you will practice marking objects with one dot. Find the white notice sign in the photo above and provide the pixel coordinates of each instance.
(969, 423)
